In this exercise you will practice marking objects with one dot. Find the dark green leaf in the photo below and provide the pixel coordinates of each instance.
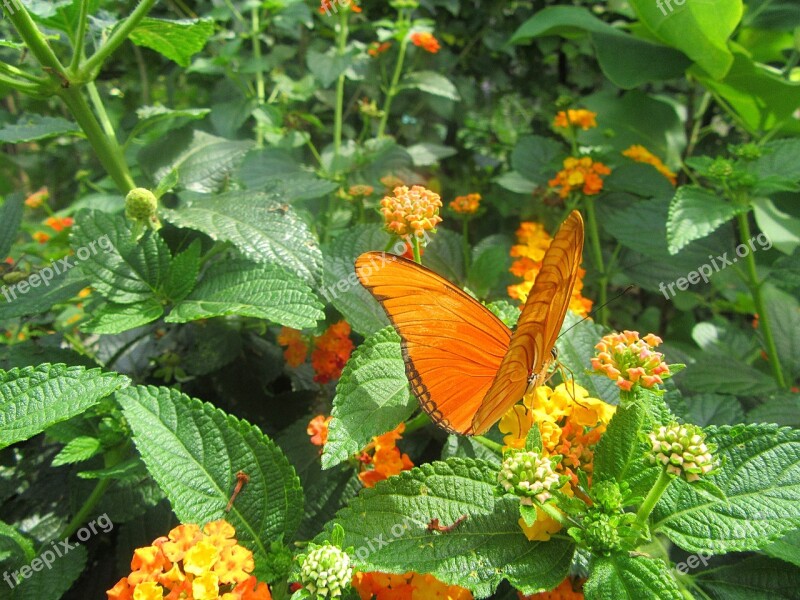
(177, 40)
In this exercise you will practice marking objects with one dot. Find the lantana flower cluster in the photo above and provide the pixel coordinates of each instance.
(682, 449)
(426, 41)
(325, 571)
(466, 205)
(579, 174)
(411, 211)
(529, 475)
(629, 361)
(579, 117)
(529, 253)
(410, 586)
(641, 154)
(192, 564)
(566, 590)
(331, 350)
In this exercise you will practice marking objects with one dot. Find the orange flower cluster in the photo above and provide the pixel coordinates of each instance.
(296, 347)
(327, 7)
(570, 424)
(331, 350)
(533, 242)
(585, 119)
(426, 41)
(643, 155)
(386, 459)
(39, 197)
(193, 565)
(582, 174)
(411, 586)
(564, 591)
(377, 48)
(466, 205)
(318, 429)
(40, 236)
(59, 223)
(628, 360)
(414, 210)
(391, 181)
(360, 191)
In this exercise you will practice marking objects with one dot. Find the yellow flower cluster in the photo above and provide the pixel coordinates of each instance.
(570, 424)
(192, 564)
(582, 174)
(585, 119)
(643, 155)
(533, 242)
(414, 210)
(466, 205)
(411, 586)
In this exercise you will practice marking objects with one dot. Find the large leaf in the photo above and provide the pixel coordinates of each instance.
(121, 269)
(112, 318)
(264, 230)
(10, 219)
(24, 299)
(784, 318)
(372, 397)
(786, 548)
(431, 82)
(760, 475)
(695, 213)
(720, 374)
(782, 229)
(240, 287)
(34, 398)
(31, 128)
(534, 157)
(622, 577)
(698, 29)
(755, 578)
(387, 526)
(54, 581)
(194, 450)
(177, 40)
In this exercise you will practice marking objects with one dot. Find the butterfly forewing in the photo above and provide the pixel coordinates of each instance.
(538, 325)
(452, 345)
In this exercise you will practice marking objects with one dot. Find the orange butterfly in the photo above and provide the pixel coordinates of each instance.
(465, 366)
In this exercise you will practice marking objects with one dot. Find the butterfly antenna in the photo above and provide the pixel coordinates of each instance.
(595, 309)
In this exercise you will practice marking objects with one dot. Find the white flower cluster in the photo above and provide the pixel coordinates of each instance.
(326, 571)
(528, 475)
(683, 450)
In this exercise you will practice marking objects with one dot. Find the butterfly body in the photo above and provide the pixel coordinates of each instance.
(464, 365)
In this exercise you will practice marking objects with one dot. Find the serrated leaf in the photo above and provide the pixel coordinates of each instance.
(778, 159)
(183, 272)
(177, 40)
(714, 409)
(431, 82)
(387, 526)
(53, 583)
(264, 230)
(24, 300)
(787, 548)
(77, 450)
(759, 474)
(754, 578)
(533, 441)
(122, 270)
(372, 397)
(34, 398)
(717, 373)
(622, 577)
(462, 446)
(30, 128)
(695, 213)
(10, 219)
(111, 318)
(240, 287)
(211, 447)
(783, 409)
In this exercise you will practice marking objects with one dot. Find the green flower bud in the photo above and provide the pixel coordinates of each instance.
(607, 495)
(682, 449)
(720, 169)
(141, 207)
(529, 475)
(746, 151)
(601, 535)
(326, 571)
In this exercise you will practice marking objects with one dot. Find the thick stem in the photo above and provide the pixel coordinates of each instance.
(415, 248)
(398, 70)
(594, 241)
(755, 289)
(653, 496)
(261, 93)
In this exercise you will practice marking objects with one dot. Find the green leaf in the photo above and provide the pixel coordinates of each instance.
(622, 577)
(426, 154)
(10, 220)
(112, 318)
(24, 299)
(754, 578)
(779, 159)
(717, 373)
(534, 157)
(759, 474)
(506, 312)
(698, 29)
(372, 397)
(783, 409)
(695, 213)
(177, 40)
(122, 270)
(714, 409)
(432, 83)
(210, 447)
(463, 446)
(327, 66)
(784, 318)
(77, 450)
(387, 526)
(34, 398)
(787, 548)
(240, 287)
(183, 272)
(52, 583)
(204, 162)
(575, 350)
(31, 128)
(533, 443)
(264, 230)
(782, 229)
(445, 255)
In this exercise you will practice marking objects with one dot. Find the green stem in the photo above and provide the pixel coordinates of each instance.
(342, 32)
(261, 93)
(418, 422)
(465, 243)
(121, 33)
(594, 241)
(13, 71)
(491, 445)
(398, 70)
(80, 37)
(22, 86)
(694, 137)
(36, 43)
(100, 111)
(415, 248)
(755, 289)
(653, 496)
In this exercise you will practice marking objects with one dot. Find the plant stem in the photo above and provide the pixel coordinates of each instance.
(261, 93)
(22, 86)
(418, 422)
(415, 248)
(491, 445)
(594, 240)
(465, 243)
(100, 111)
(755, 289)
(653, 496)
(398, 70)
(80, 37)
(342, 32)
